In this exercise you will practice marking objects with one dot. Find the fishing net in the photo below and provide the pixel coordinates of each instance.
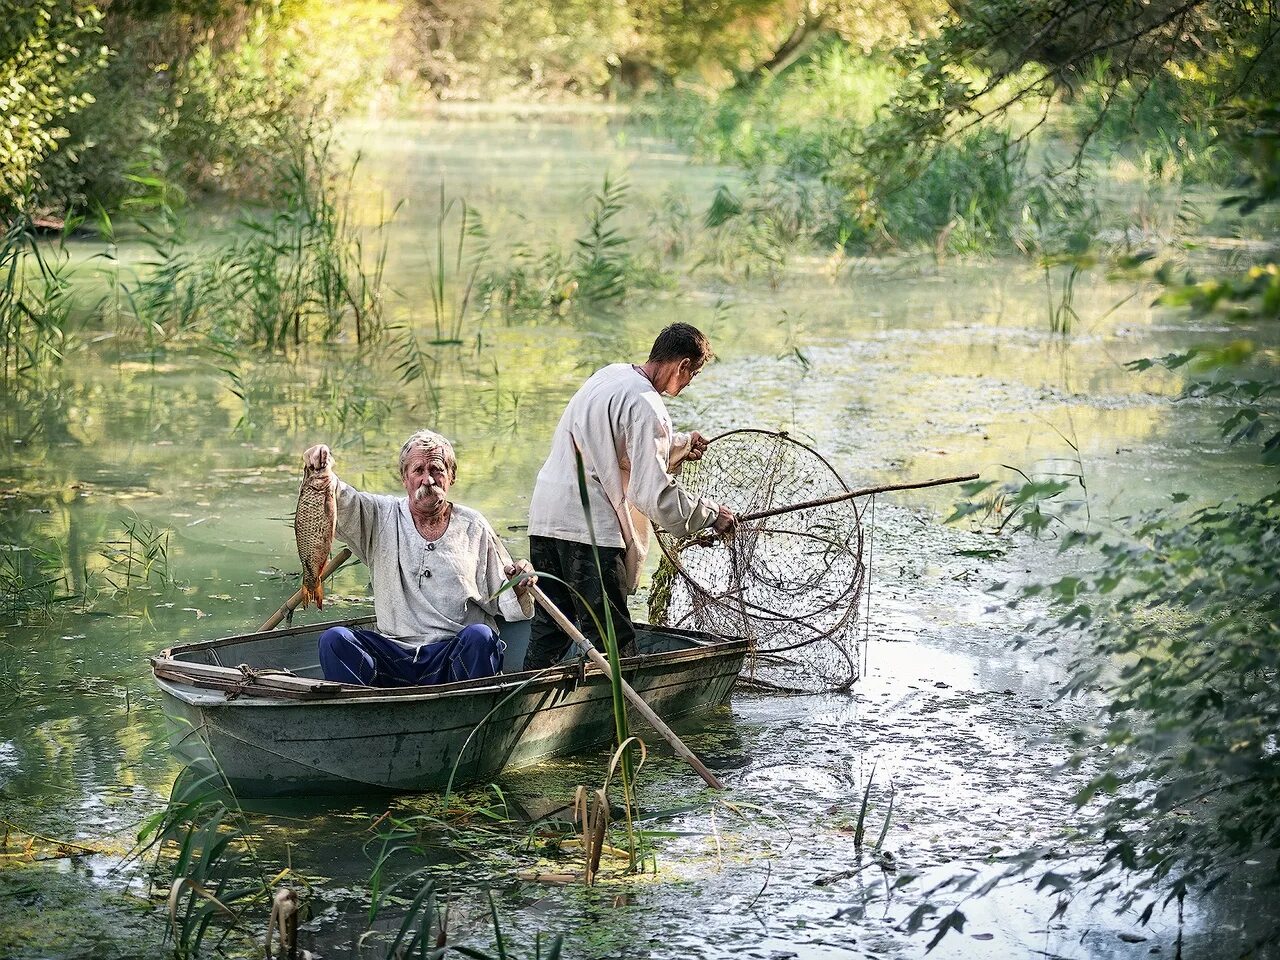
(790, 584)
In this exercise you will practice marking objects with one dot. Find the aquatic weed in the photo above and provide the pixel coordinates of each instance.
(452, 287)
(138, 558)
(600, 261)
(1062, 312)
(205, 837)
(35, 302)
(472, 823)
(299, 273)
(32, 581)
(599, 269)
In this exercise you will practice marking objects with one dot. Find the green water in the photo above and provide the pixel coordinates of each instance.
(901, 369)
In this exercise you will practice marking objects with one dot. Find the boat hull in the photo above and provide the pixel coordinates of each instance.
(425, 738)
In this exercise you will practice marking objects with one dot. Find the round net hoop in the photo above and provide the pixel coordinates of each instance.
(790, 584)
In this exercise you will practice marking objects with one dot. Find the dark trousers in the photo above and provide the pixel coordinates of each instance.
(368, 658)
(576, 565)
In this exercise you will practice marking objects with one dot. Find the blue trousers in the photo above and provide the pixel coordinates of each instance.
(368, 658)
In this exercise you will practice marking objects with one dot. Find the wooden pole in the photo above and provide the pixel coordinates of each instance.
(334, 563)
(841, 497)
(645, 711)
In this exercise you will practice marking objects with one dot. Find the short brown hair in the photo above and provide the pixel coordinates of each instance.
(681, 341)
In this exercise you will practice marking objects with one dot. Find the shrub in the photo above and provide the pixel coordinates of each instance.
(49, 53)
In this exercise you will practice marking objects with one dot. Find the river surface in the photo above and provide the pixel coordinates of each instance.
(895, 369)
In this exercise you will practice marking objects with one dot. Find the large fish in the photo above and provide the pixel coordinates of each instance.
(313, 525)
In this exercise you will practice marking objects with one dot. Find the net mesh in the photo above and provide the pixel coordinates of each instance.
(789, 584)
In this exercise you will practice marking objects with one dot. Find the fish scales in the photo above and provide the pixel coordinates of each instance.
(313, 529)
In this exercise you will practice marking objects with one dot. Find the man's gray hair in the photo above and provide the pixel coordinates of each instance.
(430, 440)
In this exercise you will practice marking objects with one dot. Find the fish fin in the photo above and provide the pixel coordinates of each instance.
(319, 594)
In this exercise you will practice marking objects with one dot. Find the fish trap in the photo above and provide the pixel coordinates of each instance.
(791, 583)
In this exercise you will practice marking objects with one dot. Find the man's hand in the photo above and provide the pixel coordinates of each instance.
(521, 566)
(725, 521)
(697, 446)
(318, 457)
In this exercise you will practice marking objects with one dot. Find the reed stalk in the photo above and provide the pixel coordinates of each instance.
(205, 837)
(620, 725)
(32, 582)
(35, 303)
(304, 272)
(452, 286)
(859, 829)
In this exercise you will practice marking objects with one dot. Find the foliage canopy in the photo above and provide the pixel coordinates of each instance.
(49, 51)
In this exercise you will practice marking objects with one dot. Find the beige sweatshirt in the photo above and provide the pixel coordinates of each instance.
(630, 455)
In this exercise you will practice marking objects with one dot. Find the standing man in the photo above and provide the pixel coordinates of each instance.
(619, 424)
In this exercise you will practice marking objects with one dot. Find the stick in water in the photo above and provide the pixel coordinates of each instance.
(334, 563)
(587, 647)
(645, 711)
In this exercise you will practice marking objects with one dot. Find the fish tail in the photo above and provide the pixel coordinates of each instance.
(312, 593)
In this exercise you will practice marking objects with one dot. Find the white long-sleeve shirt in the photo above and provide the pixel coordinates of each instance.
(423, 590)
(622, 427)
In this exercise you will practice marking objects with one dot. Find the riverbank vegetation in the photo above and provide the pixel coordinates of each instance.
(1179, 619)
(1100, 137)
(197, 97)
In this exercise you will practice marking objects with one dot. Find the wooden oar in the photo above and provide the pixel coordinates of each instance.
(645, 711)
(334, 563)
(841, 497)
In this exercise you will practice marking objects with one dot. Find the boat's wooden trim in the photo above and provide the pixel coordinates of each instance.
(274, 681)
(694, 636)
(233, 689)
(262, 635)
(269, 685)
(278, 686)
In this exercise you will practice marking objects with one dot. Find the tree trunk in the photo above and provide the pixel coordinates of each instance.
(806, 29)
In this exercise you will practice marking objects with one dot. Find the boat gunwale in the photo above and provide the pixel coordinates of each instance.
(575, 672)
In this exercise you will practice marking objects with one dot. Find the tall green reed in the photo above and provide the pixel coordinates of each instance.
(600, 261)
(455, 275)
(1060, 304)
(139, 557)
(304, 272)
(179, 290)
(452, 286)
(608, 632)
(36, 303)
(598, 270)
(32, 581)
(289, 270)
(199, 846)
(750, 231)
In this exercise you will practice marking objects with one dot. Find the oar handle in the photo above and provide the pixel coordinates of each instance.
(334, 563)
(645, 711)
(841, 497)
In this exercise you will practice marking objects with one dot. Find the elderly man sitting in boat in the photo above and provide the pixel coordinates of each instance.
(437, 569)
